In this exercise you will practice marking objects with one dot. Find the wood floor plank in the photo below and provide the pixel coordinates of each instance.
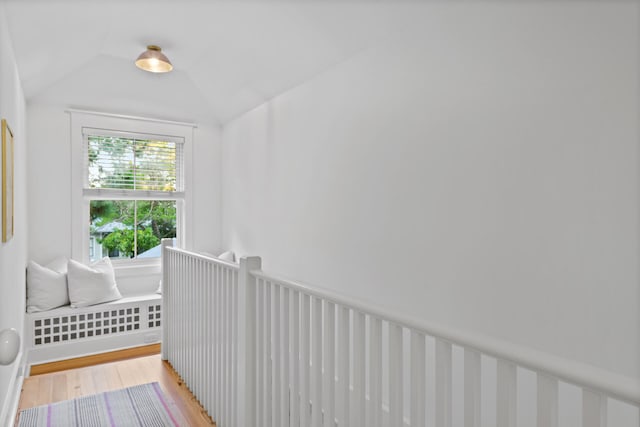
(29, 395)
(86, 382)
(59, 388)
(45, 389)
(52, 387)
(191, 408)
(73, 384)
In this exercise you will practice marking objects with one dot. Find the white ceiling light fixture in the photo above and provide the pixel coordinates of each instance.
(154, 61)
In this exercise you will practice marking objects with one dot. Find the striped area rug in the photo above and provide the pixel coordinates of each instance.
(142, 405)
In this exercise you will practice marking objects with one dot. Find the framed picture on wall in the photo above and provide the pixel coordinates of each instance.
(7, 182)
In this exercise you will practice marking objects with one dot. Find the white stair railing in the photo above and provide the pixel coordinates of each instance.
(200, 334)
(257, 350)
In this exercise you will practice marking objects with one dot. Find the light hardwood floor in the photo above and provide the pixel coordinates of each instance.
(49, 388)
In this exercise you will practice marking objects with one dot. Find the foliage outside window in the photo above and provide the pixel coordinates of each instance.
(134, 187)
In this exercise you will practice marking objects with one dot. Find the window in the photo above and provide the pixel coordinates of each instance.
(133, 184)
(132, 187)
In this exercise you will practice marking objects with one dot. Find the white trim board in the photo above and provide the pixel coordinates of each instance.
(10, 407)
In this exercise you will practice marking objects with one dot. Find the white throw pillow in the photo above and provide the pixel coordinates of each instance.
(227, 256)
(91, 284)
(46, 287)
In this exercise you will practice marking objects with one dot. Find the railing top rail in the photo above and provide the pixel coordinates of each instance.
(616, 386)
(202, 257)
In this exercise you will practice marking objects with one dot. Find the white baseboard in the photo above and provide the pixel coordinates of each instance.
(90, 347)
(10, 407)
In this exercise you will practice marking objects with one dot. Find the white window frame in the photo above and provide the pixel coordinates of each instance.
(135, 126)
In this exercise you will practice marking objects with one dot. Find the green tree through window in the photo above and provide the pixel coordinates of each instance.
(129, 225)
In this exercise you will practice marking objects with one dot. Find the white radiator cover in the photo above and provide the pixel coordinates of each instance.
(68, 332)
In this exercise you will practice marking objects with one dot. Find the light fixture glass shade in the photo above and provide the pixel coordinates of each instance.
(153, 60)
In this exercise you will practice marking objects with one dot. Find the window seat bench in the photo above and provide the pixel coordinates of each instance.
(66, 332)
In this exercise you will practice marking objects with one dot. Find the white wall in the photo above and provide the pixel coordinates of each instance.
(480, 170)
(49, 160)
(13, 253)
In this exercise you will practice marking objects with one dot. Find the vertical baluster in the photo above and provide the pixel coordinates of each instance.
(316, 334)
(443, 383)
(214, 339)
(230, 361)
(196, 332)
(184, 357)
(202, 340)
(343, 364)
(185, 316)
(199, 343)
(204, 343)
(395, 375)
(284, 321)
(471, 388)
(176, 312)
(305, 332)
(225, 344)
(418, 379)
(506, 394)
(181, 316)
(295, 359)
(375, 372)
(191, 327)
(186, 353)
(219, 344)
(203, 331)
(594, 409)
(260, 372)
(168, 300)
(277, 355)
(359, 369)
(172, 304)
(329, 363)
(210, 339)
(187, 322)
(267, 361)
(235, 359)
(547, 401)
(164, 269)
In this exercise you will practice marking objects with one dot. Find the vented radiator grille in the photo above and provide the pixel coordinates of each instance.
(154, 316)
(60, 328)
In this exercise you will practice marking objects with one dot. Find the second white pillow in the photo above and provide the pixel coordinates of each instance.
(227, 256)
(91, 284)
(46, 287)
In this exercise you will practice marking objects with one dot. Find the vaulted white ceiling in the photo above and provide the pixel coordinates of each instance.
(229, 57)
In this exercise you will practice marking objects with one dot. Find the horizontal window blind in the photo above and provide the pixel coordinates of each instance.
(117, 164)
